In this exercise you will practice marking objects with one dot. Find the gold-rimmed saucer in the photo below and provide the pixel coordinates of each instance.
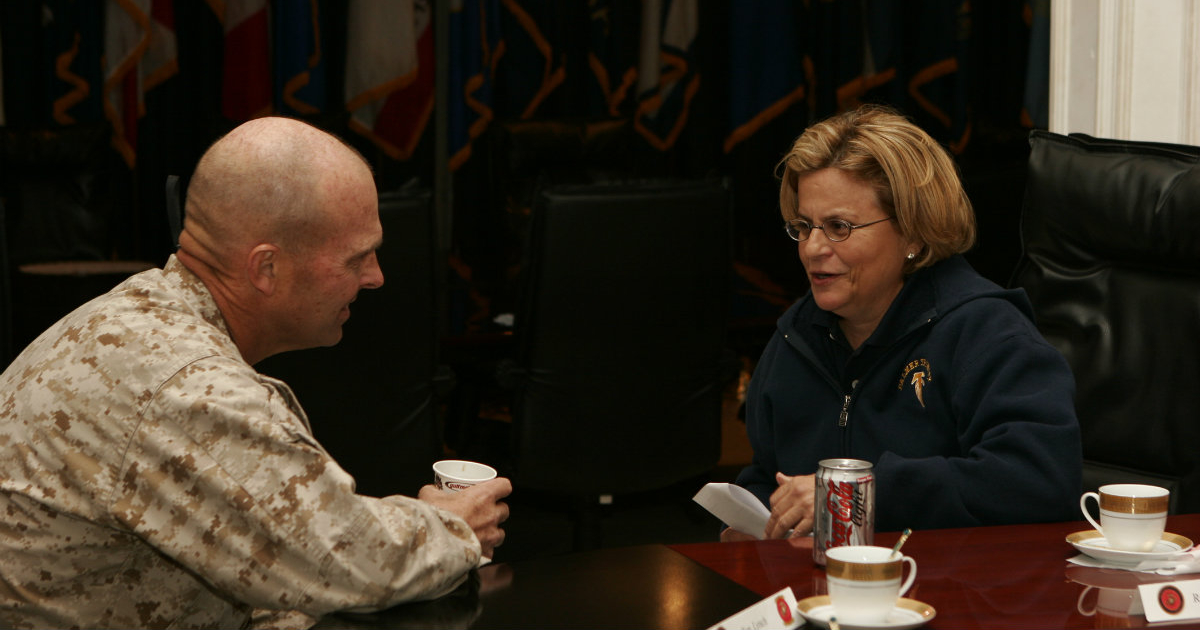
(908, 613)
(1092, 543)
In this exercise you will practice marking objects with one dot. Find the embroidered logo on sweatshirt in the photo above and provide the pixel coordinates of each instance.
(918, 374)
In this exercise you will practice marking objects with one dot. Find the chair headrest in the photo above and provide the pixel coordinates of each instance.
(1114, 200)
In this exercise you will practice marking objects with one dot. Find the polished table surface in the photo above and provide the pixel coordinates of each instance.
(643, 587)
(980, 577)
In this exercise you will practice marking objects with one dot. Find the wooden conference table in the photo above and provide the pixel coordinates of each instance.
(982, 577)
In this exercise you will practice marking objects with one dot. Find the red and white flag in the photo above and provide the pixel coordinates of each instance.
(162, 57)
(140, 53)
(390, 72)
(246, 71)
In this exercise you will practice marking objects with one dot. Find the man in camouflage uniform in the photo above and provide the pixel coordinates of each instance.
(151, 478)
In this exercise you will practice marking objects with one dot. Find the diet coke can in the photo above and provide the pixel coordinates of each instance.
(845, 506)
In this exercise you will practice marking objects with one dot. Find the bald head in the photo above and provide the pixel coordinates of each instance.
(282, 226)
(267, 181)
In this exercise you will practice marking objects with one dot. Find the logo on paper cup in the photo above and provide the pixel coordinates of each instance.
(447, 484)
(452, 475)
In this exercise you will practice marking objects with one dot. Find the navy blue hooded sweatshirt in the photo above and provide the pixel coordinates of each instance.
(965, 410)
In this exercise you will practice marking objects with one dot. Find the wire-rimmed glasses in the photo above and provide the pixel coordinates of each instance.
(836, 230)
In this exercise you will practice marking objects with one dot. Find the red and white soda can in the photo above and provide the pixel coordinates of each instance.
(845, 505)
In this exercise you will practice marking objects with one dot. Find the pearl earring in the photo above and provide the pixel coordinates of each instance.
(911, 256)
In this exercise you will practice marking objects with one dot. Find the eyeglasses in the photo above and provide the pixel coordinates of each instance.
(836, 230)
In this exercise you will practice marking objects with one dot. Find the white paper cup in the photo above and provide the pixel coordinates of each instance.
(865, 582)
(452, 475)
(1133, 516)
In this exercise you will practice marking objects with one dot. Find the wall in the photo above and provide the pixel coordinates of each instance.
(1126, 69)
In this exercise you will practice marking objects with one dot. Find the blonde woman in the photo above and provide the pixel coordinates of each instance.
(901, 354)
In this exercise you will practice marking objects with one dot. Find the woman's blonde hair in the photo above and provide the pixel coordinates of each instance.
(914, 178)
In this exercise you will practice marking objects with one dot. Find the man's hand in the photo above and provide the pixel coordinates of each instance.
(792, 506)
(480, 506)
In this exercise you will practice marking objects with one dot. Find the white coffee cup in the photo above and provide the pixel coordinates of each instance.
(864, 582)
(452, 475)
(1112, 604)
(1132, 516)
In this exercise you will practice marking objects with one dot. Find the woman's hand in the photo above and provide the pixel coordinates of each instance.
(792, 506)
(730, 534)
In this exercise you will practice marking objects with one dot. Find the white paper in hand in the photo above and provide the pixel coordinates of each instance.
(735, 506)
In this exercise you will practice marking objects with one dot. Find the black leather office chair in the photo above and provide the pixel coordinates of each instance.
(620, 342)
(65, 190)
(1111, 260)
(371, 398)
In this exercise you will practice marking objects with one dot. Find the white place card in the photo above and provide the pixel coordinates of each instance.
(1171, 601)
(777, 612)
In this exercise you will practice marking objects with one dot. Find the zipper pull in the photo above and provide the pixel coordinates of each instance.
(844, 416)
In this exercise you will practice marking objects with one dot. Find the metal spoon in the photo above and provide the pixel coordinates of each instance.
(903, 537)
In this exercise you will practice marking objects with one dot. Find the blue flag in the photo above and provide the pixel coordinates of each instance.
(299, 60)
(767, 75)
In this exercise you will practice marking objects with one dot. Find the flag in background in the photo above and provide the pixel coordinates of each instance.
(939, 83)
(535, 64)
(299, 61)
(141, 53)
(667, 76)
(476, 47)
(390, 72)
(879, 30)
(769, 75)
(126, 37)
(162, 55)
(246, 70)
(407, 111)
(72, 35)
(613, 55)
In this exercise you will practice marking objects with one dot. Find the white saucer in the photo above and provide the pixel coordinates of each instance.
(1092, 543)
(908, 613)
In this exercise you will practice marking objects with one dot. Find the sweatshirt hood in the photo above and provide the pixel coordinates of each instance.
(931, 293)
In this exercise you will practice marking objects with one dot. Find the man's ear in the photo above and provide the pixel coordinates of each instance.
(262, 267)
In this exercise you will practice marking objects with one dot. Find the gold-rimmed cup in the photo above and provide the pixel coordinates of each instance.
(1133, 516)
(865, 581)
